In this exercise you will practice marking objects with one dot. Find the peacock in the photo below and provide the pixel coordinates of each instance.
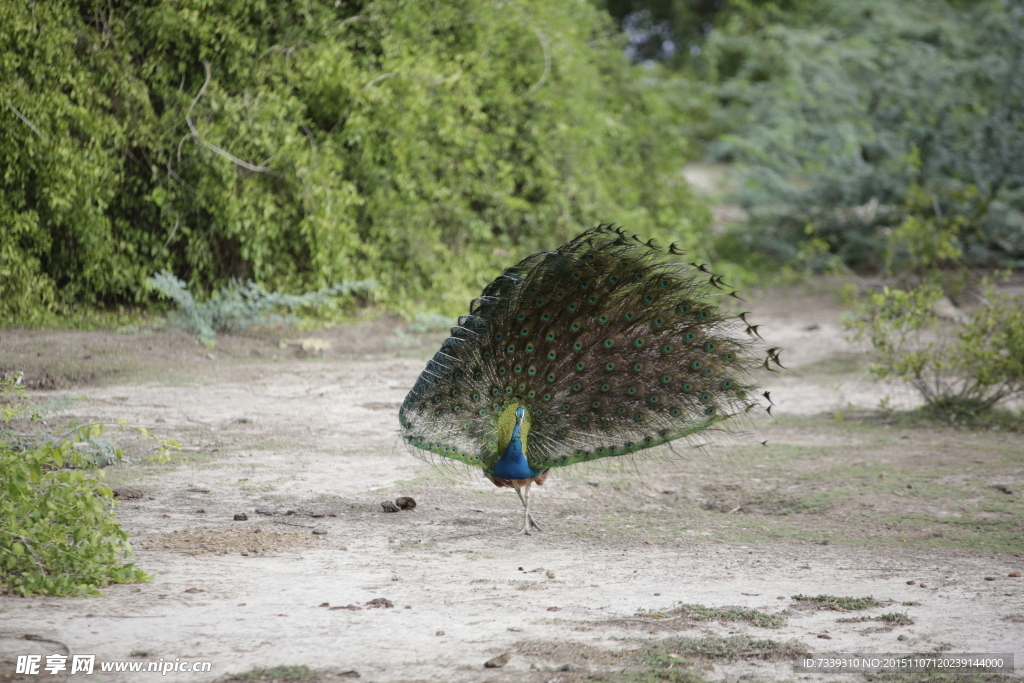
(605, 347)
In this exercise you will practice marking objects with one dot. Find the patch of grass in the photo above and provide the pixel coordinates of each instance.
(934, 676)
(930, 417)
(275, 674)
(702, 613)
(838, 603)
(651, 676)
(910, 603)
(896, 619)
(664, 653)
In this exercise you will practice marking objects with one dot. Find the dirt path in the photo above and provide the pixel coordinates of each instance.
(305, 445)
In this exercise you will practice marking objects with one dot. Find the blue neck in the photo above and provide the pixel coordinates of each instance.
(513, 464)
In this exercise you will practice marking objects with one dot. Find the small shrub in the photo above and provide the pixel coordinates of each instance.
(58, 532)
(959, 368)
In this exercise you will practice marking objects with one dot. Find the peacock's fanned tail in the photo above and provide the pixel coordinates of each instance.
(609, 344)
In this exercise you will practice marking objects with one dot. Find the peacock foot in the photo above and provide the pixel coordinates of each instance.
(528, 524)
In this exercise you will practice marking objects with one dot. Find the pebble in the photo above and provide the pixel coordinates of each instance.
(498, 662)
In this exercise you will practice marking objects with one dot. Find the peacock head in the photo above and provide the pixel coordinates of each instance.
(520, 414)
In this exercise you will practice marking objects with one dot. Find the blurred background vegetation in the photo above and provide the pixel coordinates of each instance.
(425, 145)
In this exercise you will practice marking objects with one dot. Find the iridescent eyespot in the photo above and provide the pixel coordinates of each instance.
(551, 378)
(580, 366)
(709, 346)
(551, 336)
(663, 283)
(658, 322)
(605, 387)
(629, 316)
(688, 336)
(608, 343)
(637, 367)
(631, 390)
(575, 327)
(648, 299)
(683, 309)
(726, 384)
(552, 355)
(666, 379)
(602, 318)
(577, 387)
(702, 314)
(577, 346)
(728, 356)
(591, 299)
(710, 411)
(609, 366)
(687, 387)
(667, 348)
(696, 365)
(639, 342)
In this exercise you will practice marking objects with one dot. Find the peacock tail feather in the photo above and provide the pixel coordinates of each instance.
(609, 344)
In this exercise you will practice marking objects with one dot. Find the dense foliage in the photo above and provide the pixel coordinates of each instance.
(847, 121)
(853, 118)
(423, 145)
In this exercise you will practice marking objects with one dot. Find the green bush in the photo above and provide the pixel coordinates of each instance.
(58, 532)
(424, 145)
(960, 368)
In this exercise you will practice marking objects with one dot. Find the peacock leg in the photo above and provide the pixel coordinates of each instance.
(527, 519)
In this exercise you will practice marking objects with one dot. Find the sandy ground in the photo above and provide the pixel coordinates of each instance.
(304, 443)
